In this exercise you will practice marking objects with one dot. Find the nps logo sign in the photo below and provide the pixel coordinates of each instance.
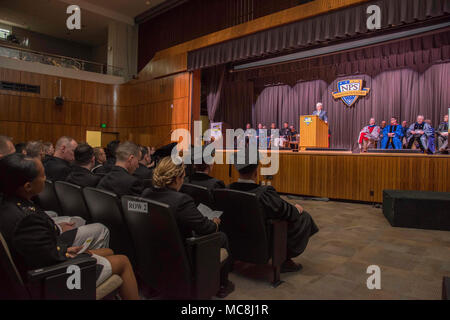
(350, 90)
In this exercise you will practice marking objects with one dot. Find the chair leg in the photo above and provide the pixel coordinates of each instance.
(276, 276)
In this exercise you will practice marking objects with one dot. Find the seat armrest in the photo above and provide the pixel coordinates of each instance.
(279, 240)
(204, 253)
(58, 282)
(83, 260)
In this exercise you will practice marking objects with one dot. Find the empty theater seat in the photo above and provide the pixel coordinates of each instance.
(252, 238)
(71, 200)
(177, 268)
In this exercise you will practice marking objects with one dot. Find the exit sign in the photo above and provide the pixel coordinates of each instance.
(103, 125)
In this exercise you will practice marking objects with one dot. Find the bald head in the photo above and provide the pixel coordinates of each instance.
(6, 146)
(420, 118)
(65, 147)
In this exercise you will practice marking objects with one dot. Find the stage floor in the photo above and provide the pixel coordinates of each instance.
(349, 176)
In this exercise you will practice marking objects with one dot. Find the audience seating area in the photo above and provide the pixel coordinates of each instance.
(146, 235)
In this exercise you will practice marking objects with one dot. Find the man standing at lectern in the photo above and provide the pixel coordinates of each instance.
(320, 112)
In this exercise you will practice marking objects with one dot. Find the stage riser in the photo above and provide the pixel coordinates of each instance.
(353, 177)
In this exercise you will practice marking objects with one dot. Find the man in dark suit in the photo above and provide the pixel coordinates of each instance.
(57, 167)
(81, 174)
(143, 172)
(110, 152)
(323, 115)
(120, 179)
(301, 226)
(201, 175)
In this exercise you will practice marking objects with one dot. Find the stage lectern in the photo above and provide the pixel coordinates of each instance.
(313, 133)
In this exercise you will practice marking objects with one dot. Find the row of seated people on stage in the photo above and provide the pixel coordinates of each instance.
(37, 239)
(418, 135)
(288, 137)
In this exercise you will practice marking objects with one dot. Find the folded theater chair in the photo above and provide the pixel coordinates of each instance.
(176, 268)
(51, 283)
(252, 237)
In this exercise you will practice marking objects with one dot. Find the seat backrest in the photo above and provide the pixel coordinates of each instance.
(105, 208)
(47, 199)
(160, 252)
(243, 220)
(12, 286)
(200, 194)
(71, 200)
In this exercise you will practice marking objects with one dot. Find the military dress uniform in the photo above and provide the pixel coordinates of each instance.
(35, 241)
(121, 182)
(83, 177)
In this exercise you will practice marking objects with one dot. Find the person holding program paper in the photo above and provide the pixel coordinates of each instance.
(168, 178)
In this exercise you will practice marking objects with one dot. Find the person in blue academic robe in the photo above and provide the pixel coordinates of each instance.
(392, 136)
(431, 138)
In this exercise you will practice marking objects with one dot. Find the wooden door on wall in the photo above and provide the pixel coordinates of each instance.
(107, 137)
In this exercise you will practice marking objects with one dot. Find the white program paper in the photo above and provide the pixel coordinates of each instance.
(208, 212)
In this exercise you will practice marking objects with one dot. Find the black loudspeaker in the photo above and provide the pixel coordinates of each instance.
(59, 101)
(326, 149)
(417, 209)
(446, 288)
(394, 151)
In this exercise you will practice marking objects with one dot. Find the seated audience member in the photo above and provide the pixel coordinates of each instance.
(143, 172)
(404, 131)
(49, 151)
(81, 174)
(301, 226)
(73, 229)
(419, 132)
(100, 157)
(271, 140)
(368, 136)
(35, 149)
(167, 181)
(120, 179)
(392, 136)
(294, 136)
(285, 134)
(6, 146)
(431, 140)
(151, 152)
(57, 167)
(20, 147)
(201, 175)
(32, 236)
(110, 152)
(442, 136)
(48, 148)
(382, 126)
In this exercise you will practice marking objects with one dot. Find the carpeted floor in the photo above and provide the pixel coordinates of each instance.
(351, 238)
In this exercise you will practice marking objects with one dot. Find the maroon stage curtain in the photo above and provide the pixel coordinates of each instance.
(403, 93)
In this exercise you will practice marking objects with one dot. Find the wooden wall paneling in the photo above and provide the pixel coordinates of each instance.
(13, 129)
(91, 115)
(10, 76)
(90, 92)
(72, 89)
(9, 107)
(45, 82)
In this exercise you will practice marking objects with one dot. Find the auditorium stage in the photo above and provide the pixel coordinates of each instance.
(350, 176)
